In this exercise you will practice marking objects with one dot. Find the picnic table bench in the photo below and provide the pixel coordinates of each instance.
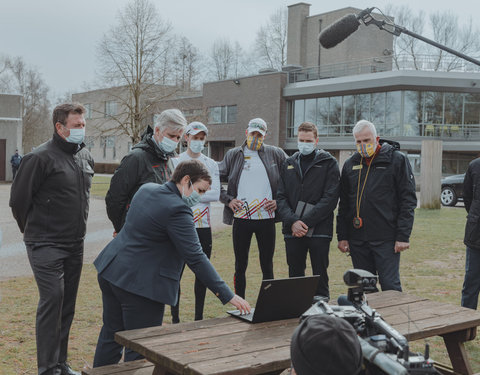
(230, 346)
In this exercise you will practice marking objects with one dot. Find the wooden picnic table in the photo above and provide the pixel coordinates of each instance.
(230, 346)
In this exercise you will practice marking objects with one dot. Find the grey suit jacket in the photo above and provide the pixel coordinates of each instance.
(147, 256)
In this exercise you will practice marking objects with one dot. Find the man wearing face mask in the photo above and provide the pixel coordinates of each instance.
(49, 200)
(195, 135)
(252, 171)
(307, 196)
(377, 205)
(149, 161)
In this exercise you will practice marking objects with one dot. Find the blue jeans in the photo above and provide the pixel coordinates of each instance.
(471, 283)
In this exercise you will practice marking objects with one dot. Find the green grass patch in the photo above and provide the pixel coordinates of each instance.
(100, 186)
(432, 267)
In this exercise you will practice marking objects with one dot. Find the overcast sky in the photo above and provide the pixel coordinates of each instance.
(59, 37)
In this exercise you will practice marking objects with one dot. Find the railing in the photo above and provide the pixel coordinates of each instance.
(383, 64)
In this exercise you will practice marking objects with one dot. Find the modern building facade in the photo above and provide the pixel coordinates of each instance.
(334, 89)
(10, 132)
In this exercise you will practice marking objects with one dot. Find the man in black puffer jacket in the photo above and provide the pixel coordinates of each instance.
(307, 196)
(471, 197)
(377, 206)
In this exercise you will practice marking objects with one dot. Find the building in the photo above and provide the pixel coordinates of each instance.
(334, 89)
(10, 132)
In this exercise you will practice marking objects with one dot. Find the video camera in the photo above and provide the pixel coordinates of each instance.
(384, 350)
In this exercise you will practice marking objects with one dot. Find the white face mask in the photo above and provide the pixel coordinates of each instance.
(76, 136)
(166, 145)
(196, 146)
(306, 148)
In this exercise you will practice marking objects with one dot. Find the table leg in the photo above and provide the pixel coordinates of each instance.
(160, 370)
(456, 350)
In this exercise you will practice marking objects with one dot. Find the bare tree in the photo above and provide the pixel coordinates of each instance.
(223, 57)
(131, 56)
(445, 28)
(186, 64)
(16, 76)
(271, 40)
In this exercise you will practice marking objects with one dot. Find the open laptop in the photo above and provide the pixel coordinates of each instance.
(281, 299)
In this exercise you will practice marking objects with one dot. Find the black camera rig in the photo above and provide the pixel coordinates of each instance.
(385, 350)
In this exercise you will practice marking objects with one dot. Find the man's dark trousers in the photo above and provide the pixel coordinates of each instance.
(318, 247)
(378, 257)
(57, 268)
(471, 283)
(242, 232)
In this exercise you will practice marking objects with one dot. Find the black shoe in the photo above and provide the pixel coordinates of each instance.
(67, 370)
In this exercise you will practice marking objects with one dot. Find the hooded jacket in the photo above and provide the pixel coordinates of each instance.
(145, 163)
(388, 202)
(51, 191)
(319, 186)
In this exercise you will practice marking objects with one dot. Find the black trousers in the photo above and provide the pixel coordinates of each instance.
(122, 311)
(242, 232)
(379, 258)
(205, 237)
(57, 269)
(297, 249)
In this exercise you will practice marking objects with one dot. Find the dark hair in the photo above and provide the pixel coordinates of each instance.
(195, 169)
(308, 127)
(61, 112)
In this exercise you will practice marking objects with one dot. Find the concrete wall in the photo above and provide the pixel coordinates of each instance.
(10, 128)
(304, 48)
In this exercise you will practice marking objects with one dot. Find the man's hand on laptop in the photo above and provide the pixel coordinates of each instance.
(242, 305)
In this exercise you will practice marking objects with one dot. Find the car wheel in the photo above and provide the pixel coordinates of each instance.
(448, 196)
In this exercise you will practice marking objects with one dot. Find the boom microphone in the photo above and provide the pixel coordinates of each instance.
(338, 31)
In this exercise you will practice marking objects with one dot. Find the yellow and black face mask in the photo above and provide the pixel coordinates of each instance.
(254, 142)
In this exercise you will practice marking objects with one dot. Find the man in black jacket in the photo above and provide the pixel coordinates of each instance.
(307, 196)
(149, 161)
(377, 205)
(49, 199)
(471, 197)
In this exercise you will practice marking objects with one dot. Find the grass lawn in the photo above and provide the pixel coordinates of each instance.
(432, 267)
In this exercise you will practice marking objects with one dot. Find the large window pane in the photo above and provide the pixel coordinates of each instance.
(311, 110)
(231, 114)
(377, 112)
(215, 115)
(322, 115)
(362, 107)
(472, 115)
(392, 113)
(348, 113)
(412, 115)
(335, 115)
(433, 113)
(298, 115)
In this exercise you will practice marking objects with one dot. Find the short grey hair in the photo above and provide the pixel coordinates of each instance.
(172, 119)
(362, 124)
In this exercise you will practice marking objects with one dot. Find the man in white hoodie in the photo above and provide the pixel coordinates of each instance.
(195, 136)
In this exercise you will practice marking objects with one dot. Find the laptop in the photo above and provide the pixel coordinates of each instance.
(281, 299)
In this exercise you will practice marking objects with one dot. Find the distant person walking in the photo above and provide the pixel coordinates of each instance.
(471, 197)
(15, 162)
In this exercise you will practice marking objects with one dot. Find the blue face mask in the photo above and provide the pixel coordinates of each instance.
(166, 145)
(193, 198)
(196, 146)
(76, 136)
(306, 148)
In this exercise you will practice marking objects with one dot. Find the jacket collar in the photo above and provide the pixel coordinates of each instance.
(69, 148)
(170, 185)
(147, 144)
(320, 155)
(383, 156)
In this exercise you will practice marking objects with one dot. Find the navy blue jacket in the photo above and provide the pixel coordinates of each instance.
(147, 256)
(471, 197)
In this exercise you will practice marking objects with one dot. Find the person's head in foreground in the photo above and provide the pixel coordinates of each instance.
(192, 180)
(325, 345)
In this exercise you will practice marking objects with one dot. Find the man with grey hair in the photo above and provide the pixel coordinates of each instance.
(148, 161)
(377, 204)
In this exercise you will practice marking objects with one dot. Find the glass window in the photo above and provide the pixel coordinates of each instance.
(393, 105)
(215, 115)
(348, 113)
(322, 115)
(412, 115)
(362, 107)
(472, 109)
(377, 112)
(298, 115)
(88, 110)
(110, 108)
(311, 110)
(231, 114)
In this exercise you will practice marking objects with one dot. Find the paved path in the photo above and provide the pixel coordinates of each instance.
(13, 256)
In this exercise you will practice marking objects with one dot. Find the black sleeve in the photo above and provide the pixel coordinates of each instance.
(407, 198)
(29, 179)
(468, 188)
(342, 231)
(325, 206)
(122, 186)
(283, 207)
(224, 172)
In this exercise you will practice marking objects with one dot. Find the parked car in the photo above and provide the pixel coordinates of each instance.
(452, 189)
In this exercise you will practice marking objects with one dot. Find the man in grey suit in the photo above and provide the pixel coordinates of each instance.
(139, 271)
